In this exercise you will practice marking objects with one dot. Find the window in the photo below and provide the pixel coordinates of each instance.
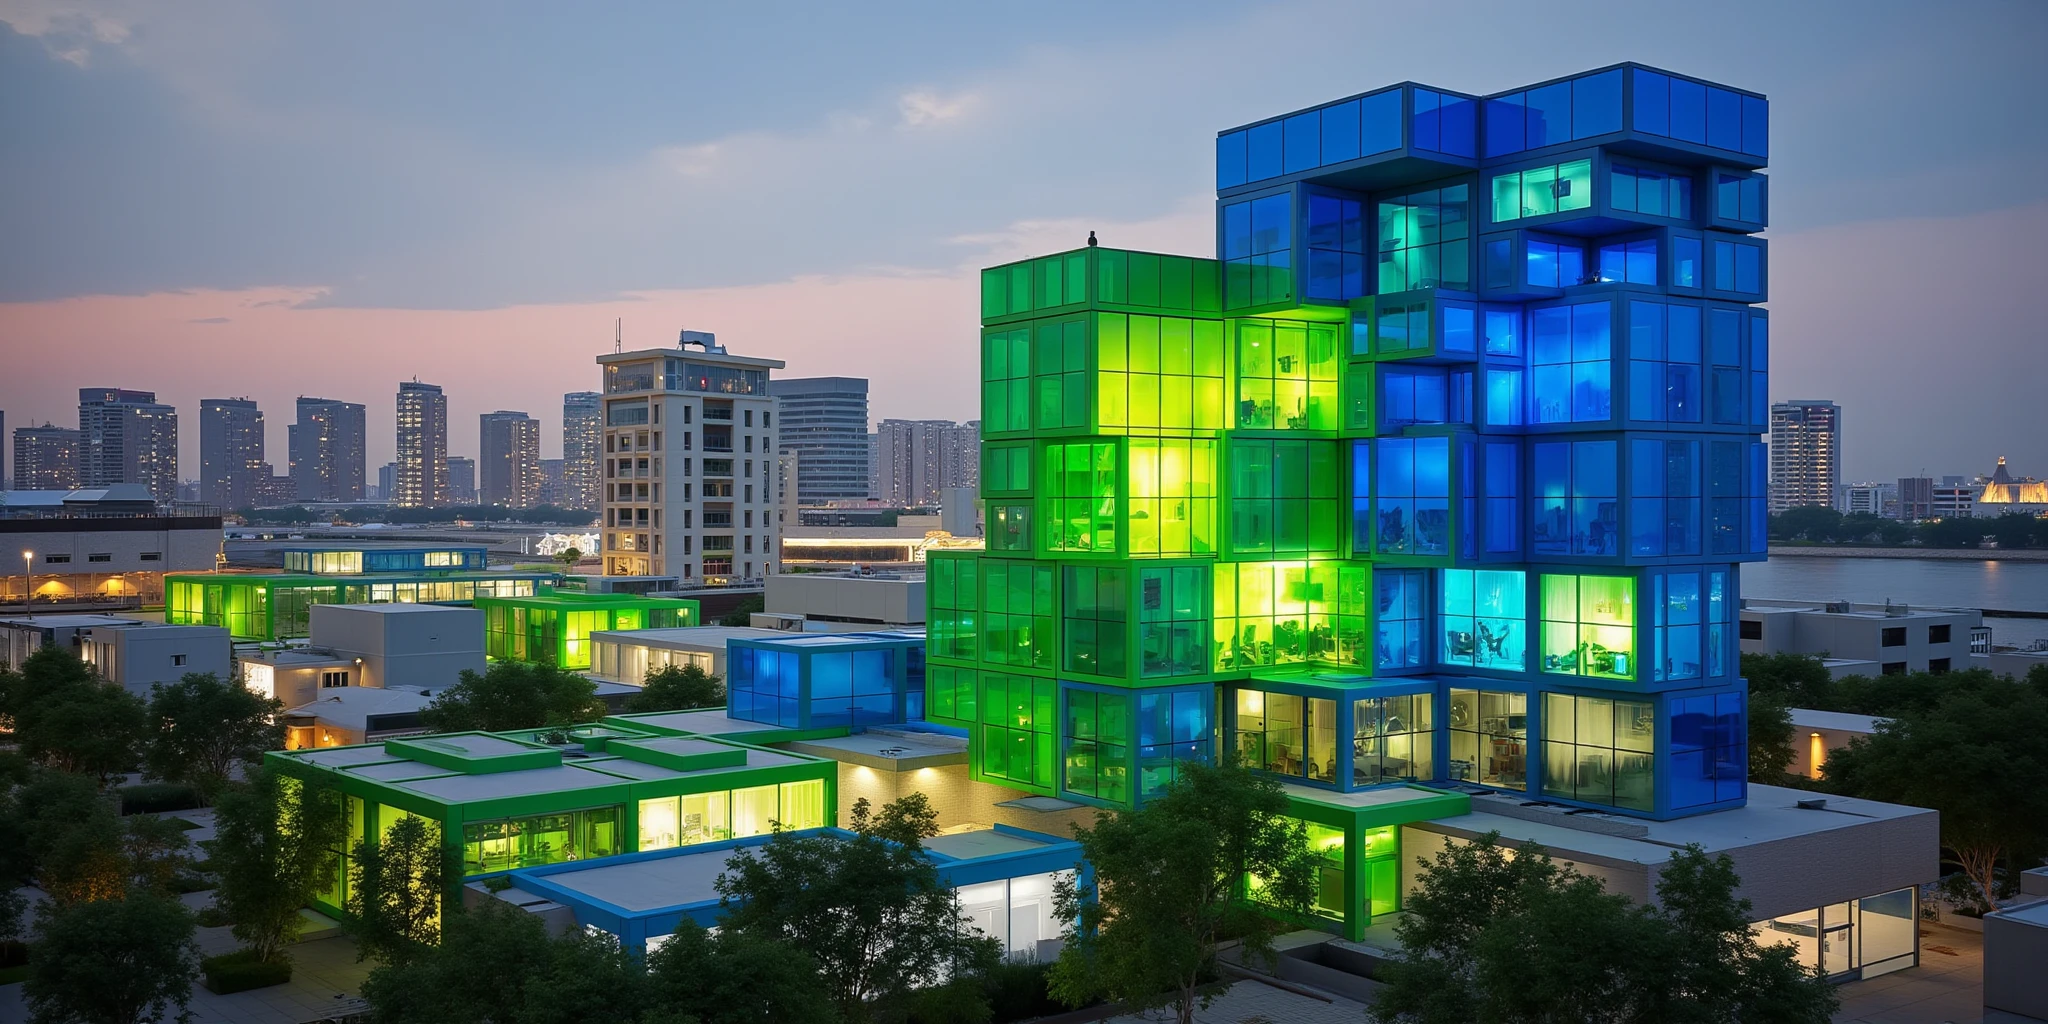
(1286, 375)
(1273, 613)
(151, 556)
(1589, 626)
(1686, 271)
(1938, 634)
(1336, 247)
(1503, 497)
(1555, 264)
(1399, 329)
(1391, 739)
(1098, 755)
(1937, 664)
(1504, 399)
(1892, 636)
(1173, 621)
(1079, 497)
(1701, 114)
(1399, 608)
(1489, 738)
(177, 661)
(1657, 193)
(1093, 630)
(1577, 498)
(1424, 394)
(1159, 371)
(1485, 618)
(1541, 191)
(1893, 668)
(1664, 362)
(1737, 267)
(1709, 749)
(1059, 377)
(1739, 197)
(1006, 380)
(1018, 727)
(1412, 499)
(1752, 629)
(1283, 497)
(955, 589)
(1552, 114)
(1599, 751)
(1724, 354)
(1443, 123)
(1287, 734)
(56, 559)
(102, 557)
(1425, 240)
(1664, 497)
(1629, 262)
(1017, 613)
(1258, 241)
(332, 679)
(1572, 378)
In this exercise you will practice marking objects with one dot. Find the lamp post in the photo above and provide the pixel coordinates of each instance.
(28, 583)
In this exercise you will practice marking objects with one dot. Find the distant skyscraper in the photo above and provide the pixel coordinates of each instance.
(422, 477)
(553, 489)
(508, 462)
(1806, 453)
(461, 480)
(825, 420)
(328, 446)
(387, 482)
(1916, 498)
(916, 459)
(582, 448)
(127, 437)
(45, 458)
(230, 451)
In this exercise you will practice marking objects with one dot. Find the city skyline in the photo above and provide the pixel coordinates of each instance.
(539, 281)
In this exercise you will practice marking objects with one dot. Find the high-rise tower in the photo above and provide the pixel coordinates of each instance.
(127, 437)
(1806, 453)
(328, 448)
(508, 460)
(230, 452)
(582, 448)
(421, 479)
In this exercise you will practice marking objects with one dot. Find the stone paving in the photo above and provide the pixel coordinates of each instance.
(1255, 1002)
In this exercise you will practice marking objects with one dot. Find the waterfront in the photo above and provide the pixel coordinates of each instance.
(1983, 583)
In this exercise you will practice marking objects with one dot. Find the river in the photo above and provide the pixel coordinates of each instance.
(2015, 585)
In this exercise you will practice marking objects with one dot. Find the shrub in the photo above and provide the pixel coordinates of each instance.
(157, 797)
(1016, 991)
(240, 971)
(213, 917)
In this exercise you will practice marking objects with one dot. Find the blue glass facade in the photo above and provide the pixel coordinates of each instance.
(1556, 375)
(824, 681)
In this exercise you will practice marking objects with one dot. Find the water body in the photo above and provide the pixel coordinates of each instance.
(2015, 585)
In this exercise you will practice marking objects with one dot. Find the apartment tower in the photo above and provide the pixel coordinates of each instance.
(421, 479)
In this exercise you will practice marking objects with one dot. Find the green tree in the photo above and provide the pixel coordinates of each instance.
(66, 718)
(870, 910)
(201, 728)
(1977, 757)
(569, 557)
(116, 961)
(514, 695)
(395, 889)
(48, 670)
(1816, 523)
(270, 849)
(499, 965)
(1798, 680)
(736, 978)
(1953, 532)
(1170, 881)
(79, 850)
(678, 688)
(1512, 937)
(742, 613)
(1770, 738)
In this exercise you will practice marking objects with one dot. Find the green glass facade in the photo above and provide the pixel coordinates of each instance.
(276, 606)
(553, 627)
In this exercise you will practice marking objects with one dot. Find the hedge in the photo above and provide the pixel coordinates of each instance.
(157, 797)
(240, 971)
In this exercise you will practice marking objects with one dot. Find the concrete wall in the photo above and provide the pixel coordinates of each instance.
(1802, 872)
(876, 601)
(138, 657)
(1802, 748)
(1427, 839)
(125, 572)
(1860, 634)
(2015, 951)
(418, 646)
(2015, 663)
(958, 799)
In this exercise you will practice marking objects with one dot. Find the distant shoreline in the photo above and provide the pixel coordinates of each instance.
(1935, 554)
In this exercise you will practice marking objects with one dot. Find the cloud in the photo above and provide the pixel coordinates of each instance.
(211, 320)
(68, 31)
(926, 108)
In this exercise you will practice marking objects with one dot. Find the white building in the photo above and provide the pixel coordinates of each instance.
(627, 655)
(1806, 453)
(843, 602)
(1897, 638)
(916, 460)
(99, 545)
(582, 448)
(690, 483)
(419, 649)
(825, 419)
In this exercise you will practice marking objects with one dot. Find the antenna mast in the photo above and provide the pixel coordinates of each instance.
(618, 335)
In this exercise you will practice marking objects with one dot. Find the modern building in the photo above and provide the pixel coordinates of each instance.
(2001, 494)
(825, 422)
(328, 450)
(1806, 453)
(461, 480)
(1817, 734)
(274, 489)
(582, 449)
(132, 653)
(45, 458)
(1870, 498)
(109, 546)
(127, 437)
(387, 483)
(1004, 878)
(689, 463)
(553, 483)
(505, 801)
(821, 680)
(1954, 498)
(421, 479)
(278, 606)
(553, 627)
(627, 656)
(1916, 498)
(424, 648)
(230, 452)
(508, 461)
(847, 602)
(1895, 638)
(915, 460)
(348, 715)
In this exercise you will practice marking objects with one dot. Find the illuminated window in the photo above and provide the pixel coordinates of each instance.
(1172, 509)
(1006, 380)
(1287, 375)
(1016, 613)
(1095, 622)
(1159, 372)
(1489, 738)
(1283, 497)
(1599, 750)
(1274, 613)
(1017, 730)
(1079, 497)
(1589, 626)
(1570, 350)
(1485, 619)
(1392, 739)
(1540, 191)
(1173, 621)
(1258, 241)
(1425, 240)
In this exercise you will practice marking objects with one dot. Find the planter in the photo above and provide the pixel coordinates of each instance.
(240, 971)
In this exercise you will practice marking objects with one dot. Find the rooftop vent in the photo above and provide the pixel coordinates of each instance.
(1840, 607)
(1818, 803)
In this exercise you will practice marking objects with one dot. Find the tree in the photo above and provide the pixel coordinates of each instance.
(1977, 757)
(66, 718)
(569, 557)
(117, 961)
(79, 850)
(1171, 881)
(201, 728)
(1816, 523)
(1798, 680)
(44, 672)
(395, 889)
(736, 978)
(678, 688)
(871, 910)
(514, 695)
(272, 841)
(1770, 738)
(1953, 532)
(742, 613)
(1510, 936)
(499, 964)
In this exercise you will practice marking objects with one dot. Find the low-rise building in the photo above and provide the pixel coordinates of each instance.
(353, 714)
(139, 655)
(109, 546)
(555, 627)
(627, 656)
(1897, 637)
(1816, 735)
(413, 645)
(843, 602)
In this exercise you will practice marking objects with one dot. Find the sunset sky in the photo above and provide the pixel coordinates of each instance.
(272, 199)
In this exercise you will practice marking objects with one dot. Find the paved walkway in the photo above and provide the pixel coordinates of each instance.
(1254, 1002)
(1947, 987)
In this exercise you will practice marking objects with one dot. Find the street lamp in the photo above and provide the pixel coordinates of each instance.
(28, 583)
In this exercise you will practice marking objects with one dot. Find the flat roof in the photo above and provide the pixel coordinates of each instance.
(1808, 718)
(471, 744)
(403, 608)
(342, 757)
(651, 884)
(889, 750)
(1387, 797)
(710, 637)
(399, 771)
(704, 721)
(352, 706)
(73, 619)
(2030, 913)
(981, 842)
(298, 656)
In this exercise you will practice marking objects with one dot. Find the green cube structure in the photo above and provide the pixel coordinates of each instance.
(553, 627)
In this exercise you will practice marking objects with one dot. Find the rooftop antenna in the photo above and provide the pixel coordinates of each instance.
(618, 335)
